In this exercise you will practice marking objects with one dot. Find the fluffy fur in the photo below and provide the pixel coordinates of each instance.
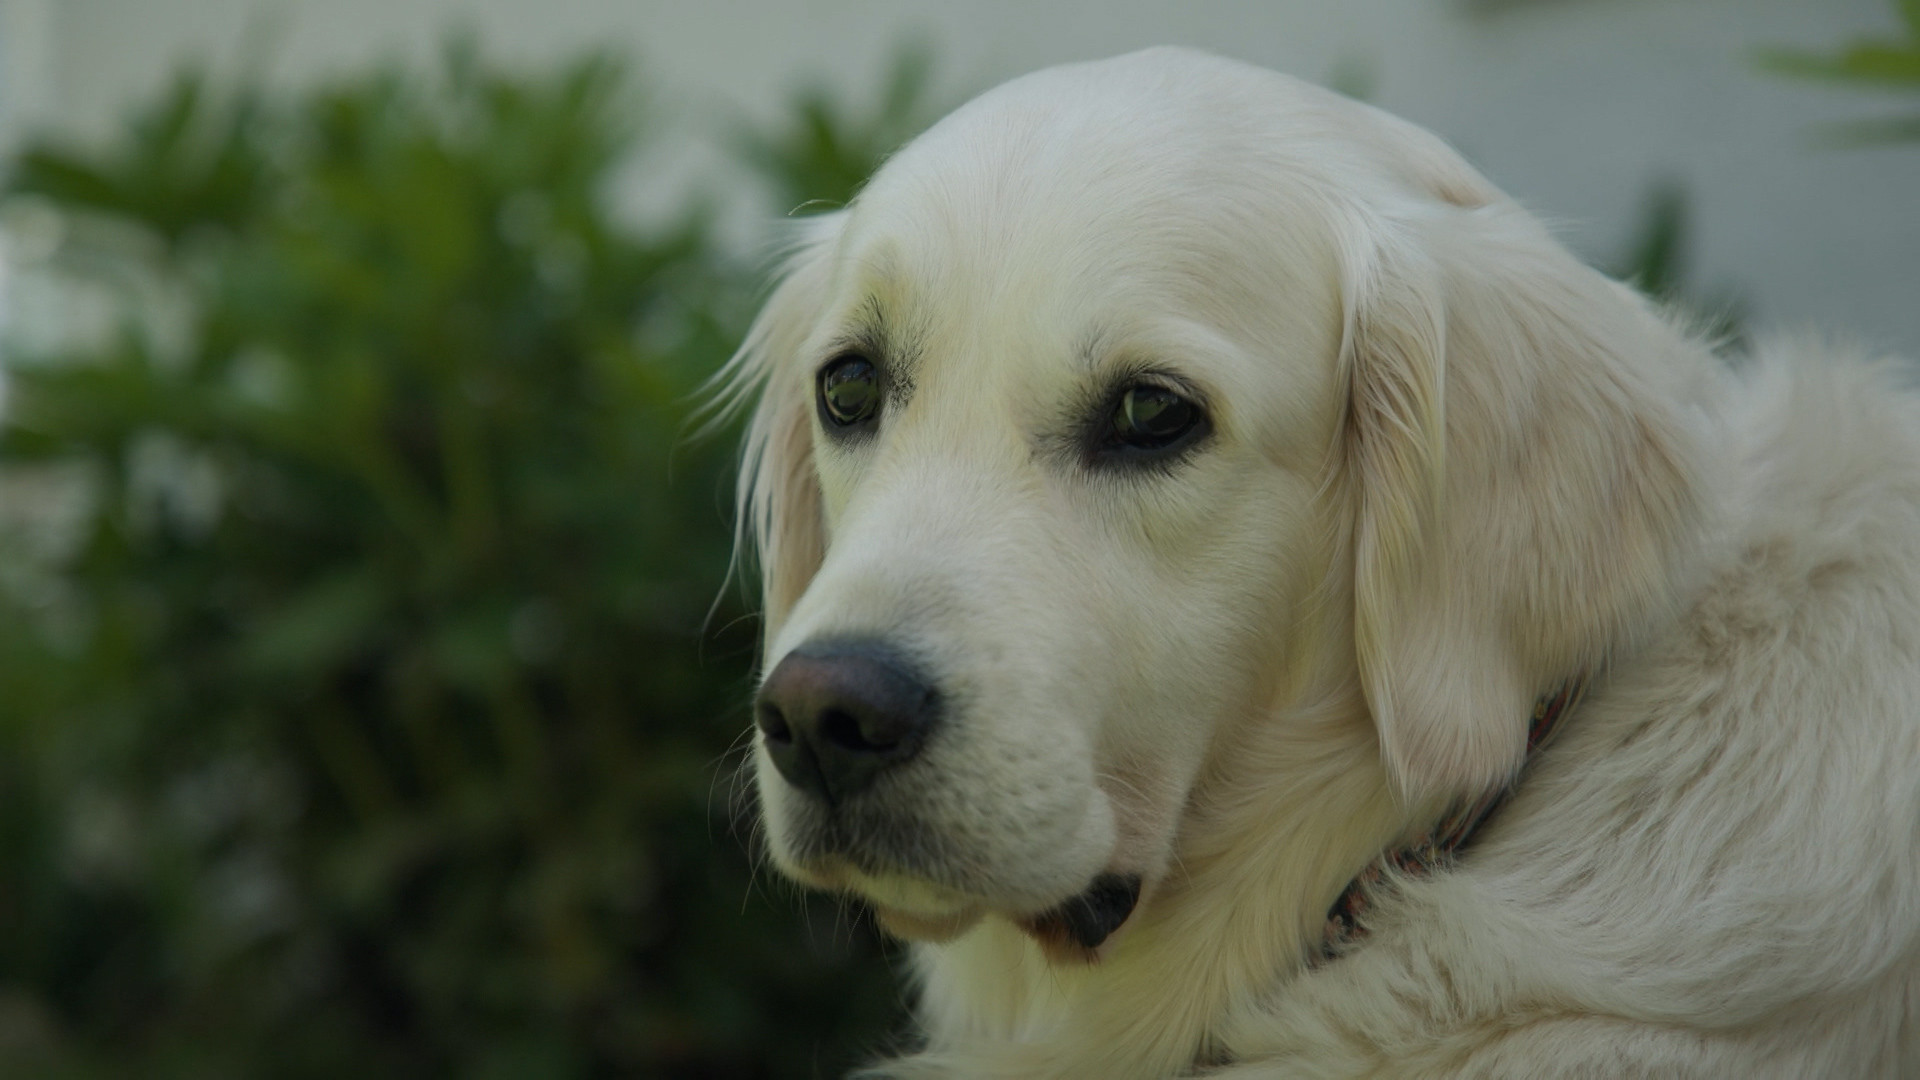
(1449, 466)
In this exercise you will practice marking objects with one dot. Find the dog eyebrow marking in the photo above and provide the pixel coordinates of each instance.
(895, 352)
(1093, 347)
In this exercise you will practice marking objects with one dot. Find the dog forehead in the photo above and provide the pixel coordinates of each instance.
(1081, 162)
(1144, 131)
(1067, 202)
(1153, 175)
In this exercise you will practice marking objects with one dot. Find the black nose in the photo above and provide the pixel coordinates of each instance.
(835, 717)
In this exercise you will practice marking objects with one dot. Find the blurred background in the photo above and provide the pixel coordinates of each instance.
(371, 694)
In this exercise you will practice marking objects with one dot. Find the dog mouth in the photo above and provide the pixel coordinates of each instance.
(912, 901)
(1070, 932)
(1074, 929)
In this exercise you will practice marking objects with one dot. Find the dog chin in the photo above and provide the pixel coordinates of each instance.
(1079, 929)
(931, 929)
(1076, 930)
(911, 909)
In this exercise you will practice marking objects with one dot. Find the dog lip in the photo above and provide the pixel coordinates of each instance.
(1088, 918)
(913, 926)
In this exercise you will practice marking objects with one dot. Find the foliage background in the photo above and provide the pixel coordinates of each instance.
(356, 715)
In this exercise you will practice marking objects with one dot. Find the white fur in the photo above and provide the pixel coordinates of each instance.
(1450, 467)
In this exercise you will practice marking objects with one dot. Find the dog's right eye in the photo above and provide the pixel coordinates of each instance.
(849, 391)
(1149, 422)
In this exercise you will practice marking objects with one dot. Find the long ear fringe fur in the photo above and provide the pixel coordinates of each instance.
(1522, 383)
(776, 512)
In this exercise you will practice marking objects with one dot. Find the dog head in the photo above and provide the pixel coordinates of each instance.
(1131, 402)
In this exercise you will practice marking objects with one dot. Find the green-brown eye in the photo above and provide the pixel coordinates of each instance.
(849, 391)
(1148, 417)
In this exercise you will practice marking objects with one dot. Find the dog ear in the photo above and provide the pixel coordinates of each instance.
(777, 504)
(1519, 479)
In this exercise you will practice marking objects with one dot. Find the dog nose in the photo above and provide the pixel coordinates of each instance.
(833, 719)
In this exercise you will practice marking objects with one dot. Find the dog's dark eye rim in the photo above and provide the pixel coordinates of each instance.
(1148, 418)
(847, 391)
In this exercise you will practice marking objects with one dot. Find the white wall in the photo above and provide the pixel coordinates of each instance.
(1572, 105)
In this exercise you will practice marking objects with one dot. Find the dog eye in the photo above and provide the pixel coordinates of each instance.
(849, 390)
(1152, 418)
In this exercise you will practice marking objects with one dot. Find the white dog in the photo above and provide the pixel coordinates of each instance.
(1176, 488)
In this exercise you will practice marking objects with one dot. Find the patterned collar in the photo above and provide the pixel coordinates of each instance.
(1437, 849)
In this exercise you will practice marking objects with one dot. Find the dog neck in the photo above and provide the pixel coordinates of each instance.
(1437, 849)
(1198, 947)
(1200, 943)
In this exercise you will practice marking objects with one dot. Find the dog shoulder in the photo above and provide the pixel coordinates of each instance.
(1724, 838)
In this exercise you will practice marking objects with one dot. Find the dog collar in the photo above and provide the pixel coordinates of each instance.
(1438, 848)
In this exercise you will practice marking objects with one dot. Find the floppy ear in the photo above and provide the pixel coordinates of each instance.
(777, 503)
(1519, 477)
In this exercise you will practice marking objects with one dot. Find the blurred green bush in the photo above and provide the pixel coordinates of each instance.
(360, 722)
(1889, 63)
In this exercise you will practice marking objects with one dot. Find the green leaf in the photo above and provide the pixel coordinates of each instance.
(1868, 62)
(1655, 261)
(317, 629)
